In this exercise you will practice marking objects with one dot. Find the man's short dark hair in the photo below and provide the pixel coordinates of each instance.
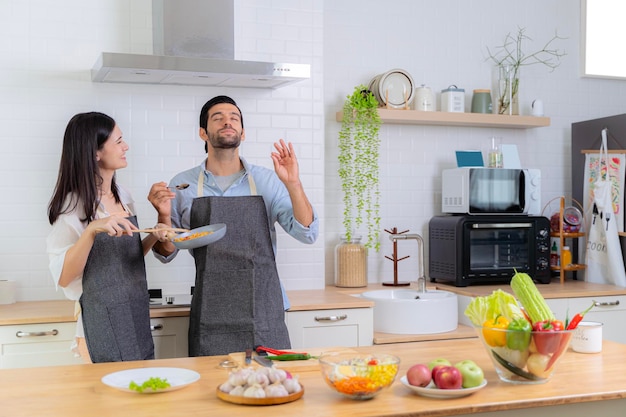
(204, 113)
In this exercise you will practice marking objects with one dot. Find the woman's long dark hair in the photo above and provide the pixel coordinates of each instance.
(79, 174)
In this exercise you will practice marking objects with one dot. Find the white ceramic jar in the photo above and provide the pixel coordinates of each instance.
(424, 99)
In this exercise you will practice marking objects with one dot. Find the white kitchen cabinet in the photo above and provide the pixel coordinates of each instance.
(609, 310)
(42, 344)
(170, 337)
(329, 328)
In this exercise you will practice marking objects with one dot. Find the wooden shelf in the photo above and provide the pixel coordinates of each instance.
(570, 267)
(437, 118)
(562, 237)
(567, 235)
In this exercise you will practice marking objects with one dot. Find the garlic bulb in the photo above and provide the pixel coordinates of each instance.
(238, 390)
(254, 391)
(277, 375)
(237, 378)
(226, 387)
(292, 385)
(259, 379)
(276, 390)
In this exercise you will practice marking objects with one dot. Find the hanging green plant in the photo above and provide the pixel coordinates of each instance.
(359, 150)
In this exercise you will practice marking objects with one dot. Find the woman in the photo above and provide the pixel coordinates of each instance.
(94, 254)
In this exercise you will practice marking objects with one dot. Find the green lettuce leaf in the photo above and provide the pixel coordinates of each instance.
(498, 303)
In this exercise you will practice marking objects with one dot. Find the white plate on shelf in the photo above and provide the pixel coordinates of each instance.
(177, 377)
(433, 392)
(395, 88)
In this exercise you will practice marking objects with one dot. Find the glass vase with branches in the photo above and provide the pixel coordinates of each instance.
(510, 57)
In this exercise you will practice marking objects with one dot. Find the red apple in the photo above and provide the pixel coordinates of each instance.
(419, 375)
(448, 377)
(436, 369)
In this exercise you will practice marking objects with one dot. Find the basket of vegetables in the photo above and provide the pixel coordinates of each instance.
(520, 332)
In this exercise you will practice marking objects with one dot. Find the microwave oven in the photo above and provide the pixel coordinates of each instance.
(482, 191)
(488, 249)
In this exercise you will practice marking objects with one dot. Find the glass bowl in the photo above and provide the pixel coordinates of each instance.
(359, 376)
(533, 364)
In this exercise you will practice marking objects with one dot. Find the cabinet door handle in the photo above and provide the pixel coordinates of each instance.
(332, 318)
(154, 327)
(53, 332)
(605, 303)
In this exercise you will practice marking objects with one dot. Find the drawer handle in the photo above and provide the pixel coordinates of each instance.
(606, 303)
(154, 327)
(37, 334)
(332, 318)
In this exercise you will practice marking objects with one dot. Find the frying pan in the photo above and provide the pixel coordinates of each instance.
(216, 232)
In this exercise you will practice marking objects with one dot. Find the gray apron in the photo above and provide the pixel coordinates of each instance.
(237, 301)
(115, 303)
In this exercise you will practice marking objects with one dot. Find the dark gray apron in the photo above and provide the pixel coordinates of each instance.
(237, 301)
(115, 303)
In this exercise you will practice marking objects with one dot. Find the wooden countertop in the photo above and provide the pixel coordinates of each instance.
(60, 311)
(591, 380)
(568, 289)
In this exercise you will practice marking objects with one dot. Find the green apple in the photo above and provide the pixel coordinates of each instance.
(472, 374)
(438, 361)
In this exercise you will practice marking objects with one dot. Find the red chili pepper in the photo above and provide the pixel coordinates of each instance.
(578, 317)
(546, 340)
(271, 351)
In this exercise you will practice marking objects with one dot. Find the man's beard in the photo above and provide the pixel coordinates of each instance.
(224, 142)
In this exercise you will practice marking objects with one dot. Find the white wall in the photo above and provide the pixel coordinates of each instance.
(46, 52)
(48, 48)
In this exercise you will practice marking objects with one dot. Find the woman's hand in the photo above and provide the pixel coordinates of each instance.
(113, 226)
(163, 235)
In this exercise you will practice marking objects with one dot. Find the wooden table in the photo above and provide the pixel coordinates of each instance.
(583, 385)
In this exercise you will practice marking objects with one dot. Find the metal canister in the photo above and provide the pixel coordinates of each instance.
(453, 99)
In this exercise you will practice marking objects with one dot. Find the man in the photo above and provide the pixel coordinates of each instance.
(238, 300)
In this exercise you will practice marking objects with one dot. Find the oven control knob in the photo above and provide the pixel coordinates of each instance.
(543, 248)
(542, 263)
(543, 233)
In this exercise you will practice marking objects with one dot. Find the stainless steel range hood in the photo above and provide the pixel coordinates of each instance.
(193, 43)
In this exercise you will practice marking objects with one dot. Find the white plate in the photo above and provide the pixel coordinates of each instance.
(177, 377)
(433, 392)
(396, 89)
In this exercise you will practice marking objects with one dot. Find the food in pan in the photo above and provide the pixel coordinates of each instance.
(192, 236)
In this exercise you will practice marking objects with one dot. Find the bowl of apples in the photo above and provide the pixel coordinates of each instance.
(441, 379)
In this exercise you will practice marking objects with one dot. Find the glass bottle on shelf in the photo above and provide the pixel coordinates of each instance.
(554, 254)
(566, 256)
(351, 263)
(495, 154)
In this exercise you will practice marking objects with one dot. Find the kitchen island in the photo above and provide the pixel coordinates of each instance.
(583, 384)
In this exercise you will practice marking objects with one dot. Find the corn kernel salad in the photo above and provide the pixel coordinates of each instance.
(363, 377)
(191, 236)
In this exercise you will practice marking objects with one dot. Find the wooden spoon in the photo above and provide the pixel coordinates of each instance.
(163, 229)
